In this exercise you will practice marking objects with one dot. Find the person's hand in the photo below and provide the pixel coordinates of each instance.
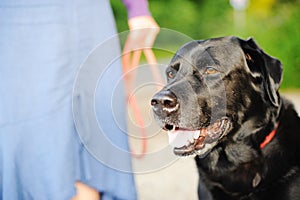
(143, 31)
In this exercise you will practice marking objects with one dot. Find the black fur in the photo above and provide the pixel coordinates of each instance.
(245, 90)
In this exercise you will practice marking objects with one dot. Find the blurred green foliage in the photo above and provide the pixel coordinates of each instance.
(274, 24)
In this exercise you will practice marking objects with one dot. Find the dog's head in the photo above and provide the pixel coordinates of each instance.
(218, 89)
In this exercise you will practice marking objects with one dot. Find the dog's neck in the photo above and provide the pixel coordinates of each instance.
(245, 166)
(269, 137)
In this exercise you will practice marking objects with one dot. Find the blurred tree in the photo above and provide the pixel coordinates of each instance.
(274, 24)
(262, 7)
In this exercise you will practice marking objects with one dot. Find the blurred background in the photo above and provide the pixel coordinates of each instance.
(274, 24)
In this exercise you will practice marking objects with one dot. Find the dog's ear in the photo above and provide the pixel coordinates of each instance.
(270, 68)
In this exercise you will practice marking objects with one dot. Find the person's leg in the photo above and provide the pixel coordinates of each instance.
(84, 192)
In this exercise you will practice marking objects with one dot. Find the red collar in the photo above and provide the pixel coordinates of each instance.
(269, 137)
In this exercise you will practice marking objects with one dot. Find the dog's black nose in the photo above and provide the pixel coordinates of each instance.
(165, 100)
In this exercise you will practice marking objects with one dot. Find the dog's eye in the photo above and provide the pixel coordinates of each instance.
(171, 74)
(172, 70)
(210, 71)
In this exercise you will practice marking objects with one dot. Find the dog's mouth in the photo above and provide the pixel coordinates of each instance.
(200, 142)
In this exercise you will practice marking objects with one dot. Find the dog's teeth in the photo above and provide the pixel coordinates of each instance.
(191, 141)
(173, 128)
(222, 123)
(197, 134)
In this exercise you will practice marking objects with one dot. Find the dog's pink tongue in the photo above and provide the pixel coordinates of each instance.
(181, 138)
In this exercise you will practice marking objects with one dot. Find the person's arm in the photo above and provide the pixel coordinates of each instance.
(137, 8)
(143, 31)
(139, 15)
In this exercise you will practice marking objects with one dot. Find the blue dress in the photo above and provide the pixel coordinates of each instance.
(42, 45)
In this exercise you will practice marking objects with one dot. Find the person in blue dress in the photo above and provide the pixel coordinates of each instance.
(42, 44)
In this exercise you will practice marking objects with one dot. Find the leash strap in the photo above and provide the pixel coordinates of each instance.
(130, 62)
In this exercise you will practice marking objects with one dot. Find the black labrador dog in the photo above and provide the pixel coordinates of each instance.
(221, 103)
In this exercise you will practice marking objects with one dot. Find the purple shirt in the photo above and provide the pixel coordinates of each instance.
(136, 8)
